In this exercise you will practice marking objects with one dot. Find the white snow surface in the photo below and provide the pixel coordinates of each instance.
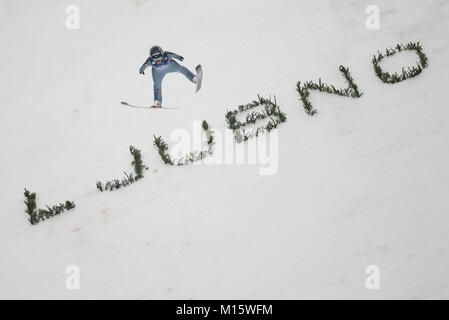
(363, 182)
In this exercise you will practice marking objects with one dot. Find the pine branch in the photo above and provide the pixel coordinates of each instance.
(38, 215)
(138, 166)
(270, 110)
(137, 163)
(162, 148)
(303, 89)
(405, 74)
(189, 158)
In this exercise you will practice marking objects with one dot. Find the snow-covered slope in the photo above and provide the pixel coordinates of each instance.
(364, 182)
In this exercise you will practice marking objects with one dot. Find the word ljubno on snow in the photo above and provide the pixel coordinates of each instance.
(270, 111)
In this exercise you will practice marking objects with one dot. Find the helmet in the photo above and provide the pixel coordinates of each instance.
(156, 52)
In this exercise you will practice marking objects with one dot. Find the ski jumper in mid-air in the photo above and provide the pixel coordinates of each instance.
(162, 63)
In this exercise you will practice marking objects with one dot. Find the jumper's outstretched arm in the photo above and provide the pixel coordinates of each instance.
(172, 55)
(145, 65)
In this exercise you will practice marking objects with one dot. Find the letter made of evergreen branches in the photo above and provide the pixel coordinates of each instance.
(37, 215)
(270, 111)
(303, 89)
(138, 166)
(191, 157)
(405, 74)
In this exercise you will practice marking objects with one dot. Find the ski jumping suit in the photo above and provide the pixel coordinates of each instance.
(159, 71)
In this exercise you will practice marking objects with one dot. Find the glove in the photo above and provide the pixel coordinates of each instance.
(181, 58)
(141, 70)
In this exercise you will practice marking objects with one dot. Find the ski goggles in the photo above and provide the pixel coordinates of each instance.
(157, 57)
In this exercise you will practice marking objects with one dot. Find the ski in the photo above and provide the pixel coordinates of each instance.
(199, 77)
(143, 107)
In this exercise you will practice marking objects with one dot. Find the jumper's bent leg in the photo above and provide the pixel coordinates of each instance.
(181, 69)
